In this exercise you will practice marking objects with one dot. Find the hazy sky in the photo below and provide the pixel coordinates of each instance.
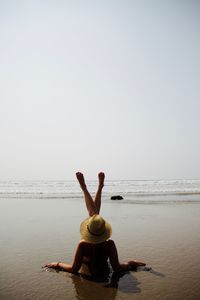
(99, 85)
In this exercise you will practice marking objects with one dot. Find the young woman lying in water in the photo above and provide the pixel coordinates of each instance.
(95, 248)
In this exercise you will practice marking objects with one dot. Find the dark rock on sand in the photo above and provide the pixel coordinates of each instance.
(118, 197)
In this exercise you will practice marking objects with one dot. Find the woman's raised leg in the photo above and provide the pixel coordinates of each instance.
(97, 199)
(91, 207)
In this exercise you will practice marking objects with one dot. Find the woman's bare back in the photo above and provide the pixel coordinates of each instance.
(95, 257)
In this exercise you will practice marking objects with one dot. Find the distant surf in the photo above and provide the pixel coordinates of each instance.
(133, 191)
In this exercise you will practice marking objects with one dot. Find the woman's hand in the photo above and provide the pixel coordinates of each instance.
(54, 265)
(134, 264)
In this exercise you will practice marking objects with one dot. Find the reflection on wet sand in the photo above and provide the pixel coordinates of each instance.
(116, 284)
(86, 287)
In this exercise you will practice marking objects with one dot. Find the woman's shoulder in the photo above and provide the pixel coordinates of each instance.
(107, 244)
(110, 242)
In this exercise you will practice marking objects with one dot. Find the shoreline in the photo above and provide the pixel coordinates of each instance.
(38, 231)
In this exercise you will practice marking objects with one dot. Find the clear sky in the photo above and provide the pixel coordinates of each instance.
(99, 85)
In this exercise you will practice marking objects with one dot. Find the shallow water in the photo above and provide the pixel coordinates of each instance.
(36, 231)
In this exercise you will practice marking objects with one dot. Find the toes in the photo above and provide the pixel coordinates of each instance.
(101, 175)
(79, 176)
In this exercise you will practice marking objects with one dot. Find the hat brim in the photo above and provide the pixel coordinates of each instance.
(93, 239)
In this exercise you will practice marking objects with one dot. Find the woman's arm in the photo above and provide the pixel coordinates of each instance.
(76, 265)
(114, 260)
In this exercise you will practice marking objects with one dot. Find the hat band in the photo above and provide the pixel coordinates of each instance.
(96, 234)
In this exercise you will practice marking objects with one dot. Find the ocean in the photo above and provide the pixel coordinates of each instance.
(135, 191)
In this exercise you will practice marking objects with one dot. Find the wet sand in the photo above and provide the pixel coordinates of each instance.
(36, 231)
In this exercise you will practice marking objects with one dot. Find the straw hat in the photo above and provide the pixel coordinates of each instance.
(95, 230)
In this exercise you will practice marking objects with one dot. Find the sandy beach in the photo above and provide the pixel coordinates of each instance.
(36, 231)
(100, 87)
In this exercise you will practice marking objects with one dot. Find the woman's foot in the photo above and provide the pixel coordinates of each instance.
(101, 177)
(81, 180)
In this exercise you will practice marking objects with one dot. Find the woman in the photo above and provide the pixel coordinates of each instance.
(95, 248)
